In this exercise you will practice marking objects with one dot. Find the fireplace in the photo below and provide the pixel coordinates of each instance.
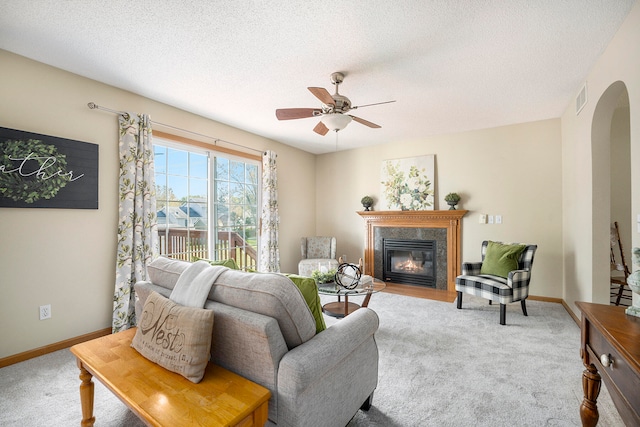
(410, 237)
(442, 227)
(411, 262)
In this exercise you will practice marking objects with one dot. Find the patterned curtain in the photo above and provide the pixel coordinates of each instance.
(269, 252)
(137, 225)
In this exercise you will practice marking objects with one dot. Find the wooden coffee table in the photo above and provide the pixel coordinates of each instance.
(162, 398)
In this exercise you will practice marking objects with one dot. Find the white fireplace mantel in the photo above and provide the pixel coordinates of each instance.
(449, 220)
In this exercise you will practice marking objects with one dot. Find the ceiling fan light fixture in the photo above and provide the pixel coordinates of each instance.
(336, 121)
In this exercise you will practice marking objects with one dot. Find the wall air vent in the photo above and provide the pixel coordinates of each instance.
(581, 99)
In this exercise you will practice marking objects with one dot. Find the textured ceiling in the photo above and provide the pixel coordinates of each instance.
(451, 65)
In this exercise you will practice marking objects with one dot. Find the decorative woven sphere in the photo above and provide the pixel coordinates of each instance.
(348, 275)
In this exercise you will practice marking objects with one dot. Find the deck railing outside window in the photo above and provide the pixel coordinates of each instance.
(190, 244)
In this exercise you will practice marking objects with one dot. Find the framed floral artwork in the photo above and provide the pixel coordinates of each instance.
(408, 184)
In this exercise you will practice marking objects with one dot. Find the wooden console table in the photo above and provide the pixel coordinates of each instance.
(610, 350)
(162, 398)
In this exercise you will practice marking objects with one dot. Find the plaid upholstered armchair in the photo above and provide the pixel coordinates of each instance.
(503, 275)
(317, 252)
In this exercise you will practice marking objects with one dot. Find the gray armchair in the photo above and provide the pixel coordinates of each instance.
(317, 252)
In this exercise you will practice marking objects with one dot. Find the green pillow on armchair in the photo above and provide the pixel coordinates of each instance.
(501, 258)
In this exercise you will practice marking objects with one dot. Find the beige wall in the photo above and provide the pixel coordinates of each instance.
(66, 257)
(513, 171)
(585, 165)
(545, 179)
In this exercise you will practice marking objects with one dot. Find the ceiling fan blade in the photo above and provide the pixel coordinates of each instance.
(297, 113)
(321, 129)
(369, 105)
(323, 95)
(365, 122)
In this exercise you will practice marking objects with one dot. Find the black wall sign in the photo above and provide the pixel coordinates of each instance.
(40, 171)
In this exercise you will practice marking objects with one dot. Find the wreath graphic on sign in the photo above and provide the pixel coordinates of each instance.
(23, 170)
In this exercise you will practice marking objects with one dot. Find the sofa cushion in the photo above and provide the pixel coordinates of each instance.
(501, 258)
(309, 289)
(271, 294)
(229, 263)
(165, 272)
(194, 284)
(175, 337)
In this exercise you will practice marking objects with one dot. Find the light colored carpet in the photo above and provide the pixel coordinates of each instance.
(439, 366)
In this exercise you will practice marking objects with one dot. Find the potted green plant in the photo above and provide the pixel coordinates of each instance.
(367, 202)
(323, 276)
(452, 200)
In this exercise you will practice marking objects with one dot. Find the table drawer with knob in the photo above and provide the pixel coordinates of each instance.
(611, 364)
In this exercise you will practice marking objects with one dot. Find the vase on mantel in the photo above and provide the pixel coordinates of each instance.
(367, 202)
(452, 200)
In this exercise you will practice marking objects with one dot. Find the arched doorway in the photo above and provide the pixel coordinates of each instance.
(611, 172)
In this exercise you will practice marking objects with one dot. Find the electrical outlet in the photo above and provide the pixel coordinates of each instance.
(45, 312)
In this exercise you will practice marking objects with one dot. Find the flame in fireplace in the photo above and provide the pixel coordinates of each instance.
(409, 265)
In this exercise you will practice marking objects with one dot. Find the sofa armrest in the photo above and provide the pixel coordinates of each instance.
(327, 379)
(143, 289)
(301, 366)
(471, 268)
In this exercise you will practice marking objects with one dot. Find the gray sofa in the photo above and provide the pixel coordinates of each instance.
(264, 331)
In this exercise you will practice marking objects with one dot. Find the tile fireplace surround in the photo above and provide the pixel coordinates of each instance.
(418, 223)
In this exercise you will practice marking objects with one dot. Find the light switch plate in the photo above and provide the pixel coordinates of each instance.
(498, 219)
(490, 219)
(483, 219)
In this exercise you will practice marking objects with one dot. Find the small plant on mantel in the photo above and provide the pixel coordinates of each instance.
(367, 202)
(452, 200)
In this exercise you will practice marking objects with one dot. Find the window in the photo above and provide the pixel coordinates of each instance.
(236, 210)
(207, 203)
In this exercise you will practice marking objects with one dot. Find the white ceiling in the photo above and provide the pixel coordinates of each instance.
(451, 65)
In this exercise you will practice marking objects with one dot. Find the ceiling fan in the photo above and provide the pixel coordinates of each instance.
(333, 112)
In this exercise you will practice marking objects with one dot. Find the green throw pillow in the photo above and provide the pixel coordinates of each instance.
(229, 263)
(500, 259)
(309, 290)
